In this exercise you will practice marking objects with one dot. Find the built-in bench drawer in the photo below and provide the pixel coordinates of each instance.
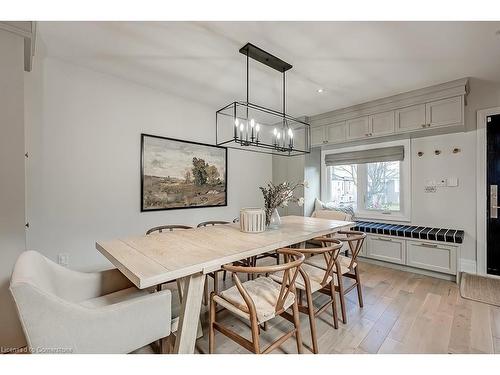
(385, 248)
(431, 256)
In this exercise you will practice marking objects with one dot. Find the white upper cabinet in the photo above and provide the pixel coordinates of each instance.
(335, 133)
(429, 111)
(357, 128)
(318, 136)
(444, 112)
(381, 123)
(410, 118)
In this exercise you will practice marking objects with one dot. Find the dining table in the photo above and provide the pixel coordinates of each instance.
(189, 255)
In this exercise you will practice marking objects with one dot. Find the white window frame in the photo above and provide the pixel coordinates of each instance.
(404, 182)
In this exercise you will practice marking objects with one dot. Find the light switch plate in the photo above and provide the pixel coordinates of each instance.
(452, 182)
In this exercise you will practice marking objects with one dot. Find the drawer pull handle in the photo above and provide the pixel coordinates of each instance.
(429, 245)
(384, 239)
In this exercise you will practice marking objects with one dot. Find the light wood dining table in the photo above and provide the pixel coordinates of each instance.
(191, 254)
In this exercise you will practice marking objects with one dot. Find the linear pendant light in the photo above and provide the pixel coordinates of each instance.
(251, 127)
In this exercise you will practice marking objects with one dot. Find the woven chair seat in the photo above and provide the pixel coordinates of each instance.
(264, 293)
(319, 261)
(315, 275)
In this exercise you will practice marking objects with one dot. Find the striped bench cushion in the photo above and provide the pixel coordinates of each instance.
(411, 231)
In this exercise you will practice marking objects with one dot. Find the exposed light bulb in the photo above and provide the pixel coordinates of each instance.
(242, 127)
(320, 90)
(252, 123)
(279, 135)
(236, 122)
(257, 127)
(290, 133)
(275, 131)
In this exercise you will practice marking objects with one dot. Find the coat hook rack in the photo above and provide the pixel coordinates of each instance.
(437, 152)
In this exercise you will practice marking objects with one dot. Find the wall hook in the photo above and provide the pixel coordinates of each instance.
(456, 150)
(420, 153)
(437, 152)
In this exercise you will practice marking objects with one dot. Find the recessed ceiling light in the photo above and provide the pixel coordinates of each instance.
(320, 90)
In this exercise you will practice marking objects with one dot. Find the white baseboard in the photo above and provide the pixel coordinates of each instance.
(467, 265)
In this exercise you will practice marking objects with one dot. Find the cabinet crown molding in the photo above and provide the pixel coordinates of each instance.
(459, 87)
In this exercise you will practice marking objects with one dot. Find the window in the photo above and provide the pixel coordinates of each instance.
(376, 182)
(382, 186)
(342, 186)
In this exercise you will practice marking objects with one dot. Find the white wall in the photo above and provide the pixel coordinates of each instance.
(12, 206)
(449, 207)
(83, 176)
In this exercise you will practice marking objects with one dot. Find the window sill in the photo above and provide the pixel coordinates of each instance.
(376, 216)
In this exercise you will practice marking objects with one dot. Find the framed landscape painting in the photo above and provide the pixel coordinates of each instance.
(181, 174)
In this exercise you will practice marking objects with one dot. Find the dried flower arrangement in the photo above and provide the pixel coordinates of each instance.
(280, 196)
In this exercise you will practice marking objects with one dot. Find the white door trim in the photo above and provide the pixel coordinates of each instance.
(481, 187)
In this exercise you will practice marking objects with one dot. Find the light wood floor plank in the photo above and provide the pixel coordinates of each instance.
(481, 334)
(460, 337)
(414, 337)
(405, 321)
(377, 335)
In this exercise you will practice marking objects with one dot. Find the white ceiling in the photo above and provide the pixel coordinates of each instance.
(352, 61)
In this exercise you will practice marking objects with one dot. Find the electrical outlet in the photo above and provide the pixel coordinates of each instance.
(63, 259)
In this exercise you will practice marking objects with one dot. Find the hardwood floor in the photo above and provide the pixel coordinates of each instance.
(404, 313)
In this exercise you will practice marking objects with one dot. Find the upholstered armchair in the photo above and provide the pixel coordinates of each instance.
(102, 312)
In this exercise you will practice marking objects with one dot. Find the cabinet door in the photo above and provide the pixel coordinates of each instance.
(410, 118)
(335, 133)
(386, 249)
(444, 112)
(382, 123)
(317, 136)
(434, 257)
(357, 128)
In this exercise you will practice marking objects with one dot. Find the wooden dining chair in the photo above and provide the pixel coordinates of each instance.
(312, 280)
(170, 228)
(252, 261)
(259, 300)
(211, 223)
(214, 275)
(345, 266)
(160, 287)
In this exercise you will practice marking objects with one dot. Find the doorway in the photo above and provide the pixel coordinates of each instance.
(492, 202)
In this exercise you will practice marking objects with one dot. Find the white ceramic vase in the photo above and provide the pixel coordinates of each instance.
(252, 220)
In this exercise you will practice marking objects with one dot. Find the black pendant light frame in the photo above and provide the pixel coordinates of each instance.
(252, 142)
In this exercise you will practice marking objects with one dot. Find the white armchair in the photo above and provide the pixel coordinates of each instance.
(68, 311)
